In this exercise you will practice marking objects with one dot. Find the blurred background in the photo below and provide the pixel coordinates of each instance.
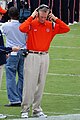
(66, 10)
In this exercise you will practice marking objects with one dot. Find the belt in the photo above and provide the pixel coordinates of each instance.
(35, 52)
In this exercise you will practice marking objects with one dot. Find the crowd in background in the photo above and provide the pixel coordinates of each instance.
(66, 10)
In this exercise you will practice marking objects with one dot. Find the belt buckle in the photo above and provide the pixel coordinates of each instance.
(40, 53)
(44, 53)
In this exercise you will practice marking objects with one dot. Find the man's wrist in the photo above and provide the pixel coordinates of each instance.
(32, 16)
(55, 18)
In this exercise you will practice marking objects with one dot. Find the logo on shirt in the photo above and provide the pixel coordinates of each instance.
(35, 30)
(47, 30)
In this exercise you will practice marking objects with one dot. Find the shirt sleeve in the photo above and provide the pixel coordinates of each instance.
(5, 28)
(61, 27)
(25, 26)
(5, 50)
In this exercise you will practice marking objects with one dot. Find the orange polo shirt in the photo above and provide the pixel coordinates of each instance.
(40, 35)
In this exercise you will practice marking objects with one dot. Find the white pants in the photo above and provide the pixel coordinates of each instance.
(1, 74)
(35, 70)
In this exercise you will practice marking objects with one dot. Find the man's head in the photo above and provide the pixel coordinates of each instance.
(13, 13)
(43, 12)
(2, 12)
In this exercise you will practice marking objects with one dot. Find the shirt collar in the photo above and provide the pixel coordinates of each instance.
(14, 20)
(38, 23)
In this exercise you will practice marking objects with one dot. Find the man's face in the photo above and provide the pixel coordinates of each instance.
(42, 16)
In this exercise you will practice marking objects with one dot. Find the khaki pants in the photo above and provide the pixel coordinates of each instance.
(1, 74)
(35, 70)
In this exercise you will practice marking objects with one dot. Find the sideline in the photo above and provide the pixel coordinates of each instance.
(60, 117)
(55, 94)
(71, 75)
(68, 47)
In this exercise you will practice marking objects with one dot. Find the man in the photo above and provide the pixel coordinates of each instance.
(40, 34)
(15, 61)
(3, 52)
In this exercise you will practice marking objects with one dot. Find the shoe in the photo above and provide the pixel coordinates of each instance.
(75, 22)
(3, 116)
(70, 23)
(13, 105)
(39, 114)
(24, 115)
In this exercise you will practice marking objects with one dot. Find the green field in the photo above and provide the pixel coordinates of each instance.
(62, 90)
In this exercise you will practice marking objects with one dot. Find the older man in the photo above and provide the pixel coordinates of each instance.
(40, 34)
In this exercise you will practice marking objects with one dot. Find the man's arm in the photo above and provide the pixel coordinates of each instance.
(60, 26)
(25, 26)
(6, 50)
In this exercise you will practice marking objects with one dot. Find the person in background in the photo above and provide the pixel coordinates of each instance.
(71, 11)
(2, 12)
(15, 61)
(76, 11)
(3, 51)
(40, 34)
(64, 11)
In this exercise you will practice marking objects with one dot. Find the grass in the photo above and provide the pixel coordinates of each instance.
(62, 89)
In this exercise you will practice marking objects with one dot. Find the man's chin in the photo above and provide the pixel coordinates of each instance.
(42, 22)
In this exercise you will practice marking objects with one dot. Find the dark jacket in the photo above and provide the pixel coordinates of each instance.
(3, 50)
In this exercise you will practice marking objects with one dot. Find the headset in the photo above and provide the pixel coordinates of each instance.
(43, 6)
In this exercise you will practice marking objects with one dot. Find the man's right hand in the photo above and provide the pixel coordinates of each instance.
(35, 13)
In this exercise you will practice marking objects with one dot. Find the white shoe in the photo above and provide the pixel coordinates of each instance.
(24, 115)
(70, 23)
(75, 22)
(39, 114)
(2, 116)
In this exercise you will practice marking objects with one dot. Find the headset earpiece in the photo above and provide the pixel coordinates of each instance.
(48, 15)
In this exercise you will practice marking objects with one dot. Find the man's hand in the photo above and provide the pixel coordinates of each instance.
(52, 17)
(35, 13)
(15, 48)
